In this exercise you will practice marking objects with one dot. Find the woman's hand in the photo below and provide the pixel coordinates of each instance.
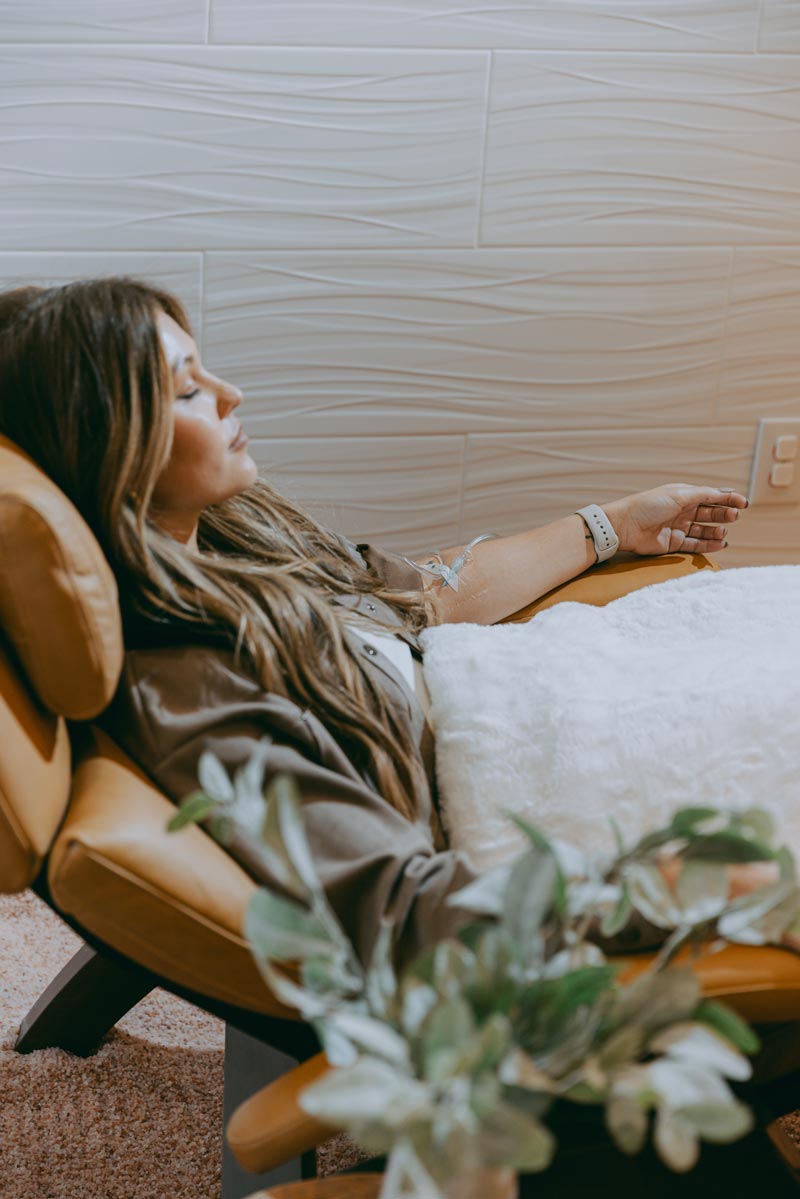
(675, 518)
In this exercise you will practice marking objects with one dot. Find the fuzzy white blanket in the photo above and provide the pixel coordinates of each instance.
(683, 692)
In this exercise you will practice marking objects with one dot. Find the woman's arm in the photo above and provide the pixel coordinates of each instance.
(504, 574)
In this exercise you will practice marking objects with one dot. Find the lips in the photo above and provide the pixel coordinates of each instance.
(239, 439)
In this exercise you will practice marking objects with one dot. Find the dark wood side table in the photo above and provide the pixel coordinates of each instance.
(347, 1186)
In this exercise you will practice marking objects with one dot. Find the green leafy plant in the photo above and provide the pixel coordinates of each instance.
(456, 1060)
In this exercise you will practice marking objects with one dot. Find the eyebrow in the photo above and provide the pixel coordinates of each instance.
(177, 363)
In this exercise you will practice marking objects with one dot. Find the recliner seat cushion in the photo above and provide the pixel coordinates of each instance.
(58, 596)
(173, 902)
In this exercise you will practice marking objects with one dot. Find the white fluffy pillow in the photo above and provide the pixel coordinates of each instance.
(683, 692)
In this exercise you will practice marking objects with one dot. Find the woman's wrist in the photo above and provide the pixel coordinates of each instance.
(615, 510)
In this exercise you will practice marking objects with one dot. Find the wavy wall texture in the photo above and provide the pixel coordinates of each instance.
(473, 265)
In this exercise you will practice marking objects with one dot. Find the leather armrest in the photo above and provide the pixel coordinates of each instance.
(270, 1127)
(761, 983)
(608, 581)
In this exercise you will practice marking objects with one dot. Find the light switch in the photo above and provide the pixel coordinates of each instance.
(782, 474)
(775, 471)
(785, 447)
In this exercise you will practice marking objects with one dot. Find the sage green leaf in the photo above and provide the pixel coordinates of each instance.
(756, 823)
(370, 1036)
(193, 808)
(529, 896)
(416, 1002)
(450, 1026)
(622, 1046)
(615, 920)
(518, 1069)
(381, 980)
(728, 847)
(675, 1140)
(407, 1177)
(213, 777)
(248, 779)
(728, 1023)
(493, 1041)
(719, 1122)
(285, 794)
(655, 999)
(746, 911)
(578, 956)
(453, 964)
(512, 1138)
(774, 923)
(702, 890)
(483, 896)
(249, 807)
(281, 930)
(701, 1045)
(650, 894)
(618, 838)
(311, 1007)
(221, 829)
(626, 1121)
(545, 848)
(685, 820)
(680, 1082)
(549, 1001)
(366, 1091)
(339, 1049)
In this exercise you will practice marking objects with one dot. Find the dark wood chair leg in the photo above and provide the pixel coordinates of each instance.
(83, 1002)
(250, 1064)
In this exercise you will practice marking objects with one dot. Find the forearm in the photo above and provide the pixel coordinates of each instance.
(503, 574)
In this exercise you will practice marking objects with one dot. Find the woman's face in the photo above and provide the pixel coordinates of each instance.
(208, 461)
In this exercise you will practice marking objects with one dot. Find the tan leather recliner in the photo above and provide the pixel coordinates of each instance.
(86, 829)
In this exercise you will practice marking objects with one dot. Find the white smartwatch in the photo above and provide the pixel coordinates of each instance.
(606, 542)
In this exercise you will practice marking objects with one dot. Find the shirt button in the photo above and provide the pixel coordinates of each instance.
(371, 607)
(371, 650)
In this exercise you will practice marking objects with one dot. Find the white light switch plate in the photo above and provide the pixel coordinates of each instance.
(761, 490)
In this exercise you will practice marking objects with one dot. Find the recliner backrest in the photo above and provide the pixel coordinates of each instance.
(61, 653)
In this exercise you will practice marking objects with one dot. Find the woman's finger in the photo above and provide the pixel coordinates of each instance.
(700, 545)
(718, 514)
(723, 495)
(710, 532)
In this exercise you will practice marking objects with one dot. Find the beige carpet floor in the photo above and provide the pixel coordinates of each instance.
(142, 1118)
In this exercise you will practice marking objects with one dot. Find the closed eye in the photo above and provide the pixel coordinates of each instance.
(190, 395)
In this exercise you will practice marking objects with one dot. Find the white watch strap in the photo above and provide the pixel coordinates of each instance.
(606, 542)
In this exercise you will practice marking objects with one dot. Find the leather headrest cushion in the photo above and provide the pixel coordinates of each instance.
(59, 603)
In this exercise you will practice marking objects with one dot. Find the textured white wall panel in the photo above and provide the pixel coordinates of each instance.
(486, 24)
(468, 341)
(517, 482)
(179, 273)
(592, 150)
(761, 368)
(402, 492)
(210, 148)
(103, 20)
(780, 26)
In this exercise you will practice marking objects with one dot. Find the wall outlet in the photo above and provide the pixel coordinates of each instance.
(775, 477)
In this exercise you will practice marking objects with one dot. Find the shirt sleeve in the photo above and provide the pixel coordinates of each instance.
(387, 565)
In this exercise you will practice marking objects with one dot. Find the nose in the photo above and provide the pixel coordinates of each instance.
(228, 396)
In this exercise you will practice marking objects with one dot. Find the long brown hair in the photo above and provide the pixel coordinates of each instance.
(84, 389)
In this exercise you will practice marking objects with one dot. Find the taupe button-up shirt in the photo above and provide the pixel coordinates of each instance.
(175, 700)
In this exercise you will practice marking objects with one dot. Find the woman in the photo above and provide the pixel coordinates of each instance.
(244, 617)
